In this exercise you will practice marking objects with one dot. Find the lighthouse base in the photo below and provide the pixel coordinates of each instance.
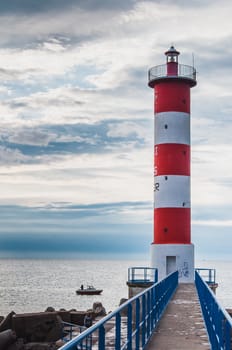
(168, 258)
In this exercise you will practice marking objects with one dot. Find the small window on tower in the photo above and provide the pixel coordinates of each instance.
(166, 126)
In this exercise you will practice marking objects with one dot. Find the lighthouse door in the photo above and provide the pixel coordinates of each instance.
(170, 264)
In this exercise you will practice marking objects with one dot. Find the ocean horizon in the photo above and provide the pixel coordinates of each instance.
(31, 285)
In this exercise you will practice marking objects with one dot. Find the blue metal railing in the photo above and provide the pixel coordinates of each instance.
(68, 329)
(142, 275)
(218, 322)
(133, 322)
(208, 275)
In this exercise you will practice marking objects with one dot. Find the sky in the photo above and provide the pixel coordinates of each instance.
(76, 125)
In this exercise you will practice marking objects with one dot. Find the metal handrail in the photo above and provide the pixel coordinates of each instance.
(142, 314)
(142, 274)
(217, 320)
(68, 329)
(184, 71)
(208, 275)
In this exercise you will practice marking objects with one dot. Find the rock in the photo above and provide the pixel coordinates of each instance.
(40, 346)
(65, 316)
(18, 345)
(77, 317)
(98, 309)
(7, 338)
(122, 301)
(50, 309)
(125, 310)
(59, 343)
(89, 311)
(7, 322)
(38, 327)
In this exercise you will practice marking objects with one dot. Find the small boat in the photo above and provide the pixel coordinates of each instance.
(90, 290)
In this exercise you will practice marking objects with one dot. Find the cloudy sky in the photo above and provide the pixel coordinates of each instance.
(76, 135)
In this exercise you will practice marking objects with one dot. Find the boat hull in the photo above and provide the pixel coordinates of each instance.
(89, 292)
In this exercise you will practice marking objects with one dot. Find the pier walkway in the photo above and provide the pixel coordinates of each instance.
(182, 325)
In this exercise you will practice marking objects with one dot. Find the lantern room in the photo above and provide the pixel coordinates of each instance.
(172, 61)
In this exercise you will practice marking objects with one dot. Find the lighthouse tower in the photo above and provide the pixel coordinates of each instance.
(172, 248)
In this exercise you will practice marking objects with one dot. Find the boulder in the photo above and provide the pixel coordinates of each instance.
(77, 317)
(59, 343)
(98, 309)
(38, 327)
(50, 309)
(125, 310)
(7, 338)
(122, 301)
(18, 345)
(40, 346)
(65, 315)
(7, 322)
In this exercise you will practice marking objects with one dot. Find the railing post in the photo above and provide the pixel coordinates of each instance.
(148, 313)
(101, 334)
(118, 332)
(156, 275)
(137, 322)
(227, 336)
(150, 308)
(133, 274)
(143, 319)
(129, 327)
(153, 298)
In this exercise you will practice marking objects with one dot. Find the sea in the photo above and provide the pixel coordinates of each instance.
(32, 285)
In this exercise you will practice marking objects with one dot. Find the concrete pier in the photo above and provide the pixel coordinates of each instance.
(182, 326)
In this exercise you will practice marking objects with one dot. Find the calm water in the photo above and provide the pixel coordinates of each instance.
(33, 285)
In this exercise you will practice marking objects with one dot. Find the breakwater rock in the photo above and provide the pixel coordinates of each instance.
(41, 330)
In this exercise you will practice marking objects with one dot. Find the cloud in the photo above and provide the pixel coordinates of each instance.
(217, 223)
(127, 129)
(33, 230)
(9, 156)
(78, 138)
(30, 137)
(26, 7)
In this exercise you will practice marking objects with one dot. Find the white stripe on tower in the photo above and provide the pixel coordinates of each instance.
(172, 127)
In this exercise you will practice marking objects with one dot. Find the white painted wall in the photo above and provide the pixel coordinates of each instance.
(184, 254)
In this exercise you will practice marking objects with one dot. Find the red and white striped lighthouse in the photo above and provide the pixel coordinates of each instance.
(171, 248)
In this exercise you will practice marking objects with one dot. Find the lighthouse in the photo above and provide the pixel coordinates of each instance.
(171, 248)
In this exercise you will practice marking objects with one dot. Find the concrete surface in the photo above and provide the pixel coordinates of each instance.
(182, 326)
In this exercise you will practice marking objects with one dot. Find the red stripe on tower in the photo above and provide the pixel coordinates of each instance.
(172, 248)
